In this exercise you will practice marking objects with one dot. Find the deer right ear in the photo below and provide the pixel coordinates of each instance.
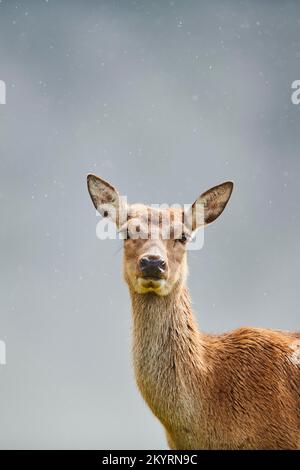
(104, 196)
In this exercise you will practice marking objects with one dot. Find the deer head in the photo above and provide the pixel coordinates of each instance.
(155, 240)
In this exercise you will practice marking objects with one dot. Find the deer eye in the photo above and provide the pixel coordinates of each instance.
(182, 239)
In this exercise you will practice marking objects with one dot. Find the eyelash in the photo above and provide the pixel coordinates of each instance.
(183, 239)
(128, 237)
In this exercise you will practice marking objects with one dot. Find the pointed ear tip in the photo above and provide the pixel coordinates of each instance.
(90, 176)
(230, 184)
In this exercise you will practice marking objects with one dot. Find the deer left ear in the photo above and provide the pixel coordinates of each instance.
(210, 204)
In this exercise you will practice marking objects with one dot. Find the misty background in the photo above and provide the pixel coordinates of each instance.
(163, 99)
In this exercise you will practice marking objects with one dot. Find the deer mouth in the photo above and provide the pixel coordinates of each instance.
(155, 277)
(150, 284)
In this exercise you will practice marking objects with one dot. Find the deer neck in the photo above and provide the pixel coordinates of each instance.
(159, 322)
(168, 349)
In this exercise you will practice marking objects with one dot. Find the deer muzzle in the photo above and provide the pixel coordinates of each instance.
(152, 267)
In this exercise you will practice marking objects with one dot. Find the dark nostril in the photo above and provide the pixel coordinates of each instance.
(144, 263)
(148, 263)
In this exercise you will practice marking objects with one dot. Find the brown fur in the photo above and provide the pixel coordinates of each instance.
(239, 390)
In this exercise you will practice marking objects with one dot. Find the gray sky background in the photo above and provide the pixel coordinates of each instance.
(164, 99)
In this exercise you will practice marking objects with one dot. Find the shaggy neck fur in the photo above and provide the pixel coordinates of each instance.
(160, 323)
(169, 356)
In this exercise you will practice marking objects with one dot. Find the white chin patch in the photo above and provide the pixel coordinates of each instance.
(150, 285)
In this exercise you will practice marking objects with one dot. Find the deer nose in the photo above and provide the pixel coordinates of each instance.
(152, 266)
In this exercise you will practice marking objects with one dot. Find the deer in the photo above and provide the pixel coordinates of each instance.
(235, 390)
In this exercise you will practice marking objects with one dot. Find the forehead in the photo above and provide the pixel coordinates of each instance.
(148, 214)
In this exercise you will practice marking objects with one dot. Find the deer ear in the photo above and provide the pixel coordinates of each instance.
(104, 196)
(210, 204)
